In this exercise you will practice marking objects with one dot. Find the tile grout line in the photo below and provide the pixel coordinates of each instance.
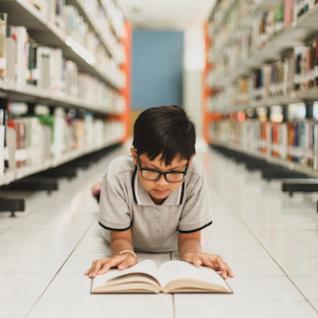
(173, 297)
(58, 271)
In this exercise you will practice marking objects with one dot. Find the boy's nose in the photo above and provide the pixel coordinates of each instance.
(162, 180)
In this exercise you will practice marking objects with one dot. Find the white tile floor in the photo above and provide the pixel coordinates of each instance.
(270, 241)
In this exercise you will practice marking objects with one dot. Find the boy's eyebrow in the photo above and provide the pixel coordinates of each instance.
(153, 166)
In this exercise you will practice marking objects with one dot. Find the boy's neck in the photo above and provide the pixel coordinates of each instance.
(156, 201)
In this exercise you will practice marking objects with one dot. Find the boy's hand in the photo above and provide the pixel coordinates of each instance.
(209, 260)
(101, 266)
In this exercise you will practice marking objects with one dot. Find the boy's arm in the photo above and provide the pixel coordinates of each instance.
(120, 241)
(189, 242)
(190, 251)
(122, 257)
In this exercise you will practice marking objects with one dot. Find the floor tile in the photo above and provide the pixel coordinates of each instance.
(304, 265)
(113, 306)
(308, 285)
(31, 263)
(36, 246)
(96, 247)
(213, 306)
(79, 263)
(268, 288)
(23, 284)
(15, 307)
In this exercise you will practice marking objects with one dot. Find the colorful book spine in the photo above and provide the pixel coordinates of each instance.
(33, 70)
(275, 136)
(288, 12)
(2, 137)
(315, 146)
(265, 138)
(3, 36)
(309, 154)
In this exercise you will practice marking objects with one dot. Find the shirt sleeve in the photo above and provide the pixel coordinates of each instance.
(196, 213)
(114, 212)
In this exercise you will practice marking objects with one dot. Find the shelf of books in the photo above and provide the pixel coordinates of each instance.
(261, 82)
(64, 82)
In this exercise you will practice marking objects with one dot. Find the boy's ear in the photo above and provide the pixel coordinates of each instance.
(134, 154)
(190, 160)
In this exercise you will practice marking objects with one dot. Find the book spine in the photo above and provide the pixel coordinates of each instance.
(43, 60)
(283, 141)
(2, 144)
(21, 37)
(33, 71)
(3, 36)
(315, 146)
(315, 62)
(309, 143)
(11, 55)
(10, 146)
(288, 12)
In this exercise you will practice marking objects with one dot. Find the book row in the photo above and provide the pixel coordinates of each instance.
(235, 43)
(24, 63)
(291, 136)
(68, 19)
(297, 71)
(116, 21)
(34, 140)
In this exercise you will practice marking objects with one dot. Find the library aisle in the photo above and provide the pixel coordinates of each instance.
(269, 240)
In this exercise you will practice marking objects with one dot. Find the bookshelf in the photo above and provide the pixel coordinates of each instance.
(22, 13)
(293, 97)
(81, 108)
(27, 171)
(263, 56)
(32, 93)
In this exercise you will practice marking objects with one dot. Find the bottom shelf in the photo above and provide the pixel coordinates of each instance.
(292, 167)
(11, 176)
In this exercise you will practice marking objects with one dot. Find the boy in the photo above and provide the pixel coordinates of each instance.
(157, 199)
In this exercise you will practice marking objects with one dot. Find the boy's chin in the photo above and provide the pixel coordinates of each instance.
(159, 194)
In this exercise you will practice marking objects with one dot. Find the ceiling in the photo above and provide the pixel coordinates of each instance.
(167, 14)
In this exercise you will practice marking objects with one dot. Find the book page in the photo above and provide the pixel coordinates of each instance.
(190, 275)
(148, 267)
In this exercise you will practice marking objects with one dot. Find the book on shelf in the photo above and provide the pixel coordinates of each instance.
(2, 137)
(10, 147)
(3, 36)
(288, 12)
(169, 277)
(315, 147)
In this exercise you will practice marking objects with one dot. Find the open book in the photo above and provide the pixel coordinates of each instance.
(170, 277)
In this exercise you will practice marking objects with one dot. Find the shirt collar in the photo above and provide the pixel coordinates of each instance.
(142, 197)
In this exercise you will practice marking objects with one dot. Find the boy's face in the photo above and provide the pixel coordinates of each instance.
(160, 189)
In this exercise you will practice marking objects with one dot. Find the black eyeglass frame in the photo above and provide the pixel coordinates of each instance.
(160, 173)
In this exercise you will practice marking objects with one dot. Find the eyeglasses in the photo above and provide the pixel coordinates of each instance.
(155, 175)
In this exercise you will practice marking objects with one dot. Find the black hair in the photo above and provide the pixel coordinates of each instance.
(165, 130)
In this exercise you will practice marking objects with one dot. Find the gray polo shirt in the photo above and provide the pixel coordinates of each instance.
(125, 204)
